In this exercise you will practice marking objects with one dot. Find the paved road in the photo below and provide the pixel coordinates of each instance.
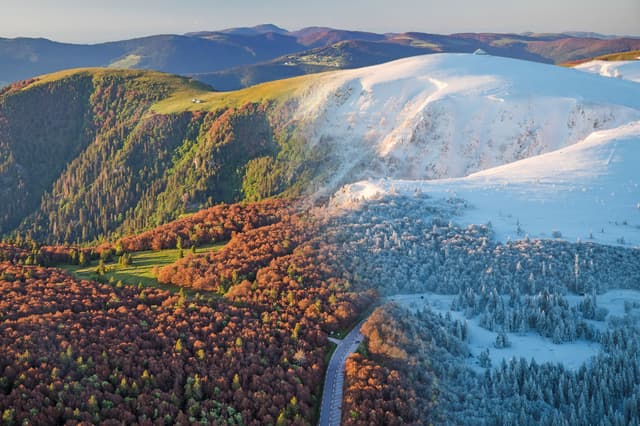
(331, 408)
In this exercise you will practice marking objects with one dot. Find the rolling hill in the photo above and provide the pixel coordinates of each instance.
(341, 55)
(449, 115)
(23, 58)
(366, 50)
(84, 154)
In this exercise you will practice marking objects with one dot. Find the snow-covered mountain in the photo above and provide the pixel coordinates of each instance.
(532, 150)
(449, 115)
(536, 150)
(627, 70)
(588, 191)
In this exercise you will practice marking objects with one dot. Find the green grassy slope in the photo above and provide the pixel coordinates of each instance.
(140, 271)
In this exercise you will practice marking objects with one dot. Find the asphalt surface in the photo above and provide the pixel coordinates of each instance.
(331, 408)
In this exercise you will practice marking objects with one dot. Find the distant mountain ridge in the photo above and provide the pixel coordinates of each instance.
(23, 58)
(238, 57)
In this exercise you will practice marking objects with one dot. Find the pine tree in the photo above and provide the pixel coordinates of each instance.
(484, 359)
(101, 269)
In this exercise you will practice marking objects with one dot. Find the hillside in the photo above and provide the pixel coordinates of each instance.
(630, 55)
(122, 151)
(485, 235)
(49, 126)
(341, 55)
(447, 115)
(84, 154)
(23, 58)
(587, 191)
(571, 49)
(107, 351)
(366, 49)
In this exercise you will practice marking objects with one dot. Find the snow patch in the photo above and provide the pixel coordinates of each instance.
(528, 345)
(613, 301)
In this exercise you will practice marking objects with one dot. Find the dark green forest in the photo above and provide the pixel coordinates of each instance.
(84, 157)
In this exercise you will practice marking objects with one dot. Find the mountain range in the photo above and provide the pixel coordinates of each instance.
(239, 57)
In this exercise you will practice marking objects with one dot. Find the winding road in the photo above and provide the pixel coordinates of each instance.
(331, 408)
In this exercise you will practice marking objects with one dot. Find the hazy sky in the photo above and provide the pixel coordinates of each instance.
(93, 21)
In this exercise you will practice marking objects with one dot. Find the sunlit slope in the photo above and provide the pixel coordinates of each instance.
(589, 191)
(85, 153)
(449, 115)
(196, 99)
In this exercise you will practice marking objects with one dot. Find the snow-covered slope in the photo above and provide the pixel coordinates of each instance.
(627, 70)
(449, 115)
(587, 191)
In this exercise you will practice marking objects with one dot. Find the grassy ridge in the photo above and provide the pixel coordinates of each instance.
(182, 100)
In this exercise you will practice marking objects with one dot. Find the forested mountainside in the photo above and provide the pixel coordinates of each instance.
(84, 155)
(251, 350)
(342, 55)
(100, 153)
(250, 347)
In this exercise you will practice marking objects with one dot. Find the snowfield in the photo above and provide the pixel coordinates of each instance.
(536, 150)
(526, 345)
(449, 115)
(627, 70)
(588, 191)
(614, 302)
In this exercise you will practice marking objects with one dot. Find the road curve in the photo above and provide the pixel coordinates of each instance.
(331, 407)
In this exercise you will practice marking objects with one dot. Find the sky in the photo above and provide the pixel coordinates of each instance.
(90, 21)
